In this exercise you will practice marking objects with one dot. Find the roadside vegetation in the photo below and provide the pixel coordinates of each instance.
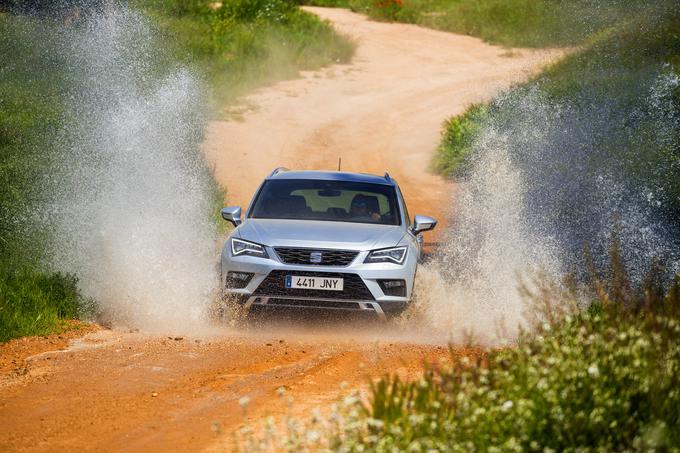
(234, 47)
(600, 377)
(517, 23)
(32, 299)
(617, 67)
(241, 44)
(596, 377)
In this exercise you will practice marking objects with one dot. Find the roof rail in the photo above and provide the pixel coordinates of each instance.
(387, 177)
(277, 171)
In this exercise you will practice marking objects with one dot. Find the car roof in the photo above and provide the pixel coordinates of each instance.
(332, 175)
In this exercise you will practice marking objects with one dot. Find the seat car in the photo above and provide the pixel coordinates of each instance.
(323, 240)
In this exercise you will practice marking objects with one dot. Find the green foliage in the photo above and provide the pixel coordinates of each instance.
(605, 378)
(621, 67)
(326, 3)
(599, 377)
(32, 117)
(458, 135)
(241, 44)
(526, 23)
(390, 10)
(36, 303)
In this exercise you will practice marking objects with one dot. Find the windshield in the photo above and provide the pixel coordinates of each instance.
(337, 201)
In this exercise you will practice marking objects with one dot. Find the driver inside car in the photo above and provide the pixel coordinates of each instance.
(360, 211)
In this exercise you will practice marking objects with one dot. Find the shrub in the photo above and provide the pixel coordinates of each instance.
(458, 136)
(35, 303)
(241, 44)
(601, 378)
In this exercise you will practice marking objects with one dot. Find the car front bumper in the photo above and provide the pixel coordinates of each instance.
(362, 288)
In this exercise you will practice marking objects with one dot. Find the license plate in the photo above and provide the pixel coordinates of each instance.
(323, 283)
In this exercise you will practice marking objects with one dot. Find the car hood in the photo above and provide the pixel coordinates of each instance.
(320, 234)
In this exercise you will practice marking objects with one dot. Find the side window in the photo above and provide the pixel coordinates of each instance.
(403, 205)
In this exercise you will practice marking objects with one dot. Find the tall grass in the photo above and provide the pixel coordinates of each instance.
(458, 136)
(32, 300)
(31, 115)
(241, 44)
(36, 303)
(525, 23)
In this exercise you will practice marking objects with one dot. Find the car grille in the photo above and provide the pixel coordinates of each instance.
(328, 257)
(304, 303)
(275, 285)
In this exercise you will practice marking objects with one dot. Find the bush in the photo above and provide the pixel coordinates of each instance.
(35, 303)
(458, 136)
(593, 383)
(241, 44)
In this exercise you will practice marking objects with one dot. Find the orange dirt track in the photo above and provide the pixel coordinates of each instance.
(114, 389)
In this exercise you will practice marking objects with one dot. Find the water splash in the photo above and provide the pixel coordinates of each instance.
(131, 196)
(470, 288)
(542, 185)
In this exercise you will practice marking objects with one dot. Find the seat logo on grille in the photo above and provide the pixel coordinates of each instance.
(315, 257)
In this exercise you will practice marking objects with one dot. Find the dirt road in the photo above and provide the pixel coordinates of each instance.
(115, 389)
(383, 112)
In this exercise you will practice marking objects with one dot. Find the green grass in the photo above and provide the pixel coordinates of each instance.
(244, 44)
(526, 23)
(33, 300)
(458, 136)
(37, 303)
(30, 116)
(605, 378)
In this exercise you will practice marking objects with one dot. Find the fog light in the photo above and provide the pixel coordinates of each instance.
(238, 280)
(393, 287)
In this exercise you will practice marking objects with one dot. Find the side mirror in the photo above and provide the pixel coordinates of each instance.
(423, 223)
(232, 214)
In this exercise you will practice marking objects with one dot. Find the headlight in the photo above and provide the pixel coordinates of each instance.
(241, 247)
(390, 255)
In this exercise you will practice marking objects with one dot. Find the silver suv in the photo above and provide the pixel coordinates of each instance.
(324, 240)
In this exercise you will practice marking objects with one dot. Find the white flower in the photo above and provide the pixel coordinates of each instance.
(507, 406)
(350, 400)
(313, 436)
(593, 370)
